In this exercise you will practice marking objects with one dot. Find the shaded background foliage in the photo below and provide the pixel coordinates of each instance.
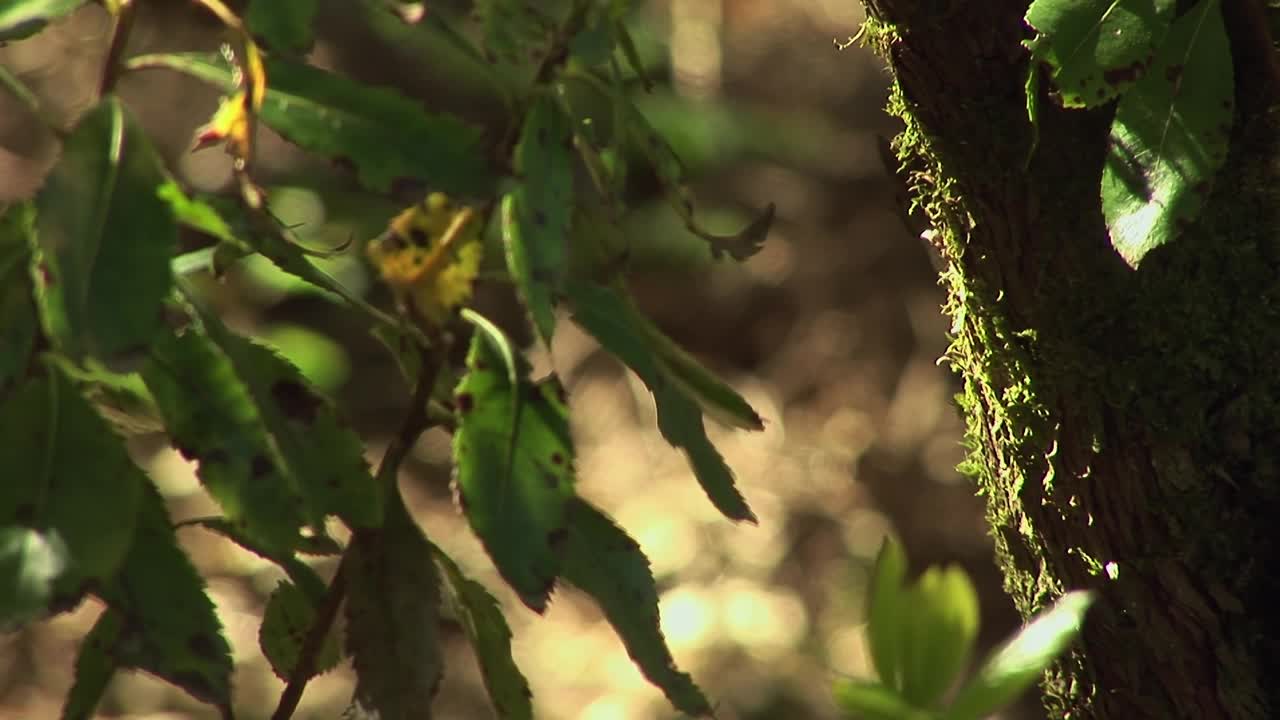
(832, 332)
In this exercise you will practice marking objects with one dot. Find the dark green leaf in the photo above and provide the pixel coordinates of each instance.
(1170, 136)
(30, 564)
(24, 18)
(18, 322)
(869, 701)
(393, 604)
(514, 31)
(536, 215)
(68, 476)
(1018, 663)
(513, 460)
(286, 621)
(284, 25)
(106, 238)
(95, 665)
(486, 627)
(603, 561)
(169, 627)
(387, 136)
(673, 378)
(1097, 50)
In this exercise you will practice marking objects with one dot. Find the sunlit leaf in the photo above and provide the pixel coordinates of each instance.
(169, 627)
(196, 214)
(24, 18)
(1097, 50)
(393, 606)
(286, 621)
(1169, 136)
(870, 701)
(68, 476)
(482, 620)
(105, 237)
(886, 614)
(938, 623)
(283, 25)
(385, 135)
(513, 460)
(1018, 663)
(536, 215)
(604, 562)
(679, 386)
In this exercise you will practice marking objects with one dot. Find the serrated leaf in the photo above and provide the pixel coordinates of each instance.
(938, 622)
(169, 628)
(393, 603)
(105, 237)
(69, 477)
(482, 620)
(613, 320)
(283, 25)
(24, 18)
(95, 666)
(513, 463)
(886, 613)
(19, 324)
(603, 561)
(1170, 136)
(385, 135)
(303, 577)
(1019, 662)
(1097, 50)
(286, 621)
(870, 701)
(536, 215)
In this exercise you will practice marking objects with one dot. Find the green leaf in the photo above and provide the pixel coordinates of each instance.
(886, 614)
(1170, 136)
(482, 620)
(679, 385)
(30, 564)
(604, 562)
(939, 623)
(1097, 50)
(871, 701)
(169, 626)
(1019, 662)
(300, 573)
(284, 25)
(196, 214)
(24, 18)
(68, 477)
(513, 459)
(286, 621)
(95, 666)
(105, 236)
(385, 135)
(393, 604)
(536, 215)
(514, 30)
(18, 322)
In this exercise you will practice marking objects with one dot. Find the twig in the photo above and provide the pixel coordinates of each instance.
(119, 39)
(415, 422)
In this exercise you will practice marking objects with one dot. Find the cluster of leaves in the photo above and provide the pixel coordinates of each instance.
(922, 638)
(104, 330)
(1170, 76)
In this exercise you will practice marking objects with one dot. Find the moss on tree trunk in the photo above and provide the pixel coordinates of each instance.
(1124, 426)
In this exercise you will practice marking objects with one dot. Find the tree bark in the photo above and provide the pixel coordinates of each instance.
(1124, 426)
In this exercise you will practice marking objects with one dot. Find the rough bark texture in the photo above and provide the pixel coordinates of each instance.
(1124, 426)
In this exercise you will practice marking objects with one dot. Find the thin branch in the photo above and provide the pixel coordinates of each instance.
(120, 30)
(416, 421)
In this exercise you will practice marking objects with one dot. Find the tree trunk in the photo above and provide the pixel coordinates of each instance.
(1124, 426)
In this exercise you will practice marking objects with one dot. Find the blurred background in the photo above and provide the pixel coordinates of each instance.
(833, 332)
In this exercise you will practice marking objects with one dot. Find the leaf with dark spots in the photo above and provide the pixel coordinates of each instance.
(464, 402)
(297, 402)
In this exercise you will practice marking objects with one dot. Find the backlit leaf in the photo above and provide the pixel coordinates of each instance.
(604, 562)
(678, 383)
(105, 236)
(393, 608)
(513, 463)
(536, 215)
(1169, 136)
(1096, 50)
(886, 613)
(385, 135)
(67, 476)
(482, 620)
(871, 701)
(286, 621)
